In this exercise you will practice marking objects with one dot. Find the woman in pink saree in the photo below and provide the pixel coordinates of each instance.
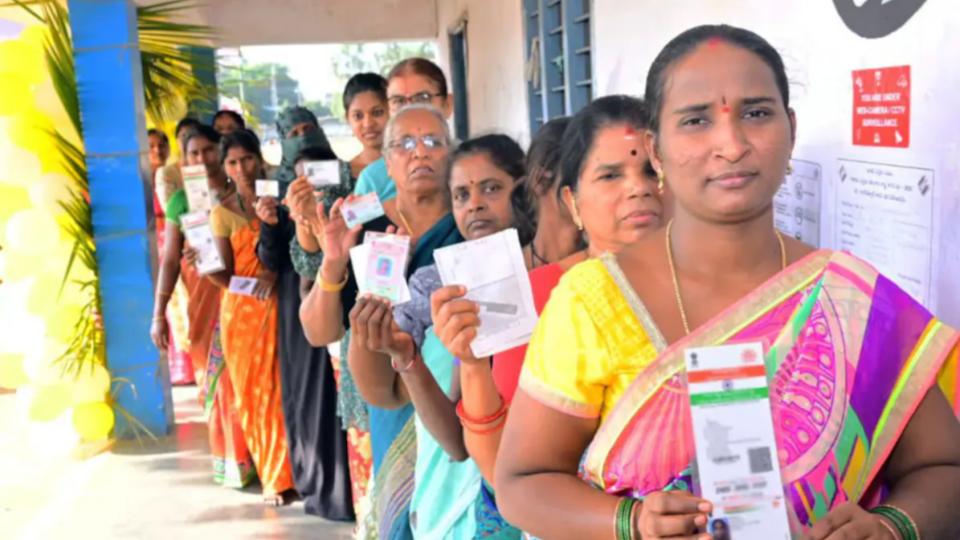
(599, 443)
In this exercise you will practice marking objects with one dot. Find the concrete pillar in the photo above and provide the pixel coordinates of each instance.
(110, 81)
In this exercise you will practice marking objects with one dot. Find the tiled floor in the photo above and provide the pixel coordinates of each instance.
(158, 491)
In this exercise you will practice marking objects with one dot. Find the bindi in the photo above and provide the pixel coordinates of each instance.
(724, 108)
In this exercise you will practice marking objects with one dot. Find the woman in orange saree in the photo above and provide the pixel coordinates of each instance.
(864, 436)
(248, 321)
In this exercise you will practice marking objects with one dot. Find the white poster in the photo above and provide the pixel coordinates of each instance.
(885, 215)
(797, 204)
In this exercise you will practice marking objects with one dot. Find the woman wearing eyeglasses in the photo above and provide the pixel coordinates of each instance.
(412, 81)
(417, 141)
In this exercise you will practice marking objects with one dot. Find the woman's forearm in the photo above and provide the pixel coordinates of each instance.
(918, 494)
(220, 279)
(376, 380)
(169, 271)
(435, 409)
(480, 399)
(321, 312)
(307, 239)
(558, 506)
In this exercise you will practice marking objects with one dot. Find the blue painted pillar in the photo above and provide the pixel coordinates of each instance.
(109, 77)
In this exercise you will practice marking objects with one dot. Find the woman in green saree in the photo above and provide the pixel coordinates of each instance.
(868, 446)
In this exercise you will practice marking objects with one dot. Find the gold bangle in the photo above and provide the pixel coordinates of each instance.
(326, 286)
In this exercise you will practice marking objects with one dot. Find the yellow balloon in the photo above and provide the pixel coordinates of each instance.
(32, 231)
(49, 402)
(12, 375)
(91, 385)
(43, 364)
(44, 294)
(93, 420)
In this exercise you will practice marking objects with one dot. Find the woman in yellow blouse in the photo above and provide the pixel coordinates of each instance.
(868, 446)
(248, 322)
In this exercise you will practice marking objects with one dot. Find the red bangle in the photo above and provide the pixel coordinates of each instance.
(497, 427)
(500, 413)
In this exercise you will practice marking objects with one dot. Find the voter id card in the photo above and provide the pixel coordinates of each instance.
(267, 188)
(322, 173)
(737, 465)
(386, 267)
(361, 209)
(242, 285)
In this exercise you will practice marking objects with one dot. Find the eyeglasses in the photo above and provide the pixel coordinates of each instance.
(420, 97)
(409, 143)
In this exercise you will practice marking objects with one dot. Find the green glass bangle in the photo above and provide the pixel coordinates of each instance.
(901, 521)
(624, 522)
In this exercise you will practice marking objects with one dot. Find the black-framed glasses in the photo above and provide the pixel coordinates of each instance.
(419, 97)
(409, 143)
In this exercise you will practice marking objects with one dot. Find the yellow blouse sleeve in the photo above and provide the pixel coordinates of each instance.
(568, 364)
(220, 222)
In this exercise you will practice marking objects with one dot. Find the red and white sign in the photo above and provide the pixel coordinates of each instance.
(881, 107)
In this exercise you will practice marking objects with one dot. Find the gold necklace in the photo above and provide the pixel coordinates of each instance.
(406, 224)
(676, 280)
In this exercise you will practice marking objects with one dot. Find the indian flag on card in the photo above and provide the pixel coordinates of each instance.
(726, 374)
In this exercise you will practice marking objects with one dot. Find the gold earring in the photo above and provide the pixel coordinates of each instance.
(789, 168)
(661, 181)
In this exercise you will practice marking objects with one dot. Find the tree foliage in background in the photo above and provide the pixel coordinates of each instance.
(374, 57)
(253, 86)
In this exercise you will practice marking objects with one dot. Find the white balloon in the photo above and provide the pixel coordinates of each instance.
(33, 231)
(48, 191)
(22, 333)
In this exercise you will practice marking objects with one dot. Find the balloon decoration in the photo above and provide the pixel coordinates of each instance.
(56, 409)
(93, 421)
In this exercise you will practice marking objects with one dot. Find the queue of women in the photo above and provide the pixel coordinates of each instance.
(647, 228)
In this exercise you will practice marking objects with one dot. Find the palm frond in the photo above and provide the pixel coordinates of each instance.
(168, 80)
(168, 77)
(58, 48)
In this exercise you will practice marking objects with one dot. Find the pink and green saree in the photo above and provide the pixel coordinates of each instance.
(849, 358)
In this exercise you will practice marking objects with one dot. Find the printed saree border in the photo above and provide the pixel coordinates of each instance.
(774, 291)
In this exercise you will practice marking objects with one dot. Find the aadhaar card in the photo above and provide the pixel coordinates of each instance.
(196, 228)
(361, 209)
(197, 188)
(737, 465)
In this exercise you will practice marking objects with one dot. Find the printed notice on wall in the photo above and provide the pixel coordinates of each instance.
(881, 107)
(797, 204)
(885, 215)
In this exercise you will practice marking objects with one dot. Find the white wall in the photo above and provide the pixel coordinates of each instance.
(281, 22)
(495, 80)
(821, 52)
